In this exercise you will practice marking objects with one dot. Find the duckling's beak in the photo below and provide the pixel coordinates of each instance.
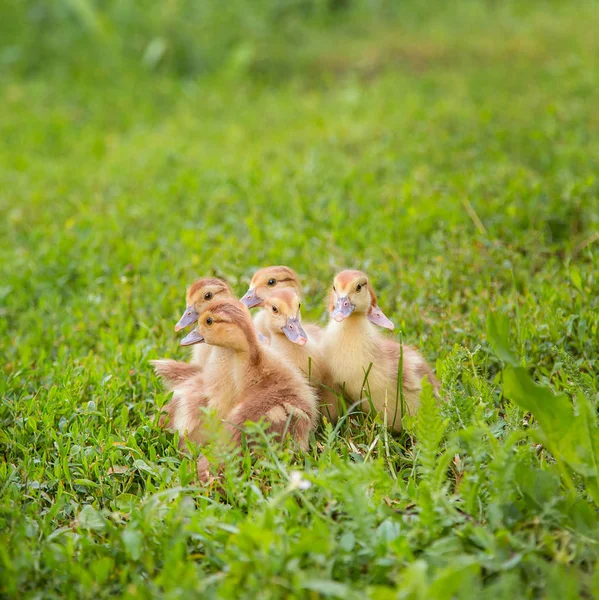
(376, 316)
(250, 299)
(190, 316)
(295, 332)
(194, 337)
(343, 308)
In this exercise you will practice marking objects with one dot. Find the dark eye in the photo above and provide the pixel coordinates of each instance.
(272, 281)
(207, 295)
(359, 287)
(209, 321)
(275, 309)
(334, 289)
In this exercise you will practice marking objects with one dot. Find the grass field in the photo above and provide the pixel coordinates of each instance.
(453, 158)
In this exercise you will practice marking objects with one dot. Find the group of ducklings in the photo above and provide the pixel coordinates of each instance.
(280, 370)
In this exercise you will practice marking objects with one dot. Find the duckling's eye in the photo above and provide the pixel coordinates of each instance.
(272, 281)
(207, 295)
(209, 321)
(275, 309)
(334, 289)
(359, 287)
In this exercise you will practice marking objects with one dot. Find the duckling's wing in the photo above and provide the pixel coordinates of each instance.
(285, 412)
(174, 372)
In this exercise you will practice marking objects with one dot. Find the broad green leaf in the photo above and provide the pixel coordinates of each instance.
(90, 518)
(576, 278)
(498, 335)
(328, 587)
(126, 502)
(537, 485)
(133, 542)
(142, 465)
(553, 412)
(460, 576)
(347, 541)
(572, 437)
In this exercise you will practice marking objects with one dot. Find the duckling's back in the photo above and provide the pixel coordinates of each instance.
(280, 395)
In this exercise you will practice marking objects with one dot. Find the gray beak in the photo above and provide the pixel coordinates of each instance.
(193, 337)
(250, 299)
(294, 331)
(342, 309)
(190, 316)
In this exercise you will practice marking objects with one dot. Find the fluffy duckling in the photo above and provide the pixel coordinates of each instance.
(263, 283)
(214, 386)
(182, 413)
(209, 381)
(351, 343)
(269, 388)
(199, 293)
(282, 320)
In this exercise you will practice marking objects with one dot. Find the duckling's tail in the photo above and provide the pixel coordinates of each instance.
(174, 372)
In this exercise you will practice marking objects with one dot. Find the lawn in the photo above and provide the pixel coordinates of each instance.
(452, 156)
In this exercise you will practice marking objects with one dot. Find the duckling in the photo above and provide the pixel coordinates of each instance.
(214, 386)
(182, 413)
(282, 320)
(351, 343)
(269, 388)
(199, 293)
(263, 283)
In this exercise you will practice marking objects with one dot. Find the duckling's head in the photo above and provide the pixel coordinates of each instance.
(199, 293)
(282, 310)
(352, 294)
(268, 279)
(226, 323)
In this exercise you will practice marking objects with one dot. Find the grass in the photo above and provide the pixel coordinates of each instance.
(454, 159)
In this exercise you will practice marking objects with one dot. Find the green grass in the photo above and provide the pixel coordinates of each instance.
(453, 158)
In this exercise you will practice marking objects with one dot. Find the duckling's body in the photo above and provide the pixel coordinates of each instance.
(273, 390)
(185, 411)
(309, 361)
(263, 385)
(352, 345)
(223, 376)
(362, 346)
(289, 338)
(216, 386)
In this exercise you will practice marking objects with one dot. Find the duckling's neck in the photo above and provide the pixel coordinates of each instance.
(280, 342)
(352, 348)
(354, 336)
(249, 350)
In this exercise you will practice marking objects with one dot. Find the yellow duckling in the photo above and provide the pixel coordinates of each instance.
(263, 283)
(268, 388)
(351, 343)
(282, 321)
(208, 376)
